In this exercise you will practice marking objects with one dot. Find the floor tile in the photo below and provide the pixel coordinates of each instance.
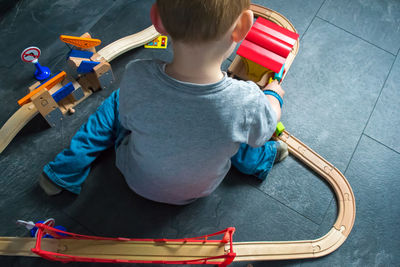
(31, 204)
(117, 23)
(330, 92)
(234, 203)
(291, 263)
(375, 238)
(377, 22)
(119, 20)
(384, 124)
(299, 13)
(296, 186)
(37, 261)
(320, 110)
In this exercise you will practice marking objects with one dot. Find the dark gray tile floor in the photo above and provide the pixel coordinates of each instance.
(342, 99)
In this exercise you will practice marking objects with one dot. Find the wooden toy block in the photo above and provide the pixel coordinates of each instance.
(34, 86)
(44, 102)
(48, 107)
(55, 88)
(89, 81)
(72, 66)
(67, 104)
(78, 92)
(101, 78)
(48, 84)
(104, 74)
(81, 62)
(102, 68)
(92, 75)
(74, 62)
(97, 57)
(87, 35)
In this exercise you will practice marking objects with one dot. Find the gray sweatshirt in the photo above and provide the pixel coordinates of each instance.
(183, 134)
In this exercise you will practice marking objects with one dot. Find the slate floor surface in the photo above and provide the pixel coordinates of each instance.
(342, 99)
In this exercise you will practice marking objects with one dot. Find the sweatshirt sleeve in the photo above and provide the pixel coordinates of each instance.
(262, 122)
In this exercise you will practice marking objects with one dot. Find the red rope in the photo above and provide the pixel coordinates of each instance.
(59, 234)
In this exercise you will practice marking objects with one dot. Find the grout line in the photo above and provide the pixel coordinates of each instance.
(327, 21)
(280, 202)
(380, 94)
(355, 148)
(324, 216)
(379, 142)
(77, 222)
(370, 115)
(316, 14)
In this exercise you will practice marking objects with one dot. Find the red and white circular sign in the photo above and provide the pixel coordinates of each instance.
(30, 54)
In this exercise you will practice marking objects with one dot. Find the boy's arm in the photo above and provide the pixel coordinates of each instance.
(275, 104)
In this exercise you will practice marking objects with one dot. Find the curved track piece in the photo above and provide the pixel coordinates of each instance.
(15, 123)
(127, 43)
(252, 251)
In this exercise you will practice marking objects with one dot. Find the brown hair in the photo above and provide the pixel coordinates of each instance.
(199, 20)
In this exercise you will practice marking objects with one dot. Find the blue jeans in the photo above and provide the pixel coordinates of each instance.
(103, 130)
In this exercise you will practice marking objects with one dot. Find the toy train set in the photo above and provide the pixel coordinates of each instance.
(267, 53)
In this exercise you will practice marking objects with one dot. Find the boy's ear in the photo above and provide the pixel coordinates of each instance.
(243, 25)
(156, 20)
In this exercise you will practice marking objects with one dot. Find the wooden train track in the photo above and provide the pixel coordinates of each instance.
(245, 251)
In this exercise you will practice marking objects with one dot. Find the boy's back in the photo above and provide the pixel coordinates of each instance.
(183, 134)
(188, 120)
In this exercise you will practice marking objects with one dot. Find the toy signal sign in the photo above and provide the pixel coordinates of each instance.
(160, 42)
(30, 54)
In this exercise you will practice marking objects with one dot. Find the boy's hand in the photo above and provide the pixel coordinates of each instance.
(275, 86)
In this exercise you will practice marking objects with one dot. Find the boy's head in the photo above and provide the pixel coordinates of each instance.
(191, 21)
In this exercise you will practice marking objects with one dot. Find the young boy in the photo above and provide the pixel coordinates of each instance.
(178, 126)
